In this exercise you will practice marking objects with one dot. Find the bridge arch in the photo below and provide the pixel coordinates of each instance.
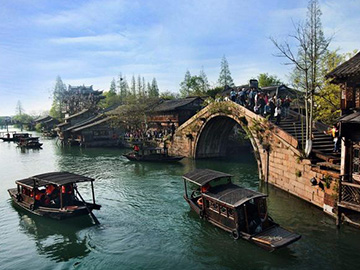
(212, 137)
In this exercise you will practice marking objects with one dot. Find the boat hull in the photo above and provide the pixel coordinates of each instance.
(51, 212)
(270, 239)
(153, 158)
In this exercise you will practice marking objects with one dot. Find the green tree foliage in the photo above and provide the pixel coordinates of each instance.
(113, 87)
(154, 89)
(225, 74)
(194, 85)
(185, 84)
(123, 87)
(126, 96)
(21, 118)
(111, 97)
(204, 81)
(58, 95)
(327, 99)
(133, 86)
(214, 91)
(265, 79)
(167, 95)
(139, 86)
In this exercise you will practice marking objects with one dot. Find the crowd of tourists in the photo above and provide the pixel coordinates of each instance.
(272, 107)
(151, 133)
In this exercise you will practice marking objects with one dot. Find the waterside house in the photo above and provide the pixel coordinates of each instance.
(173, 112)
(347, 76)
(90, 129)
(47, 122)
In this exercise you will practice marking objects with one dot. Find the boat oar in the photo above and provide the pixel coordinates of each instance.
(97, 222)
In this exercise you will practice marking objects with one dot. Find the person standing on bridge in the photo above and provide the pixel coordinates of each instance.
(277, 114)
(286, 106)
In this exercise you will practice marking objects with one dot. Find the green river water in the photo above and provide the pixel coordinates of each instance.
(146, 224)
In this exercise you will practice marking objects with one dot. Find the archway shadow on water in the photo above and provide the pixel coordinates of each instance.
(58, 240)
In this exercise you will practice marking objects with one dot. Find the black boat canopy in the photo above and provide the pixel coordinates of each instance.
(201, 177)
(232, 195)
(56, 178)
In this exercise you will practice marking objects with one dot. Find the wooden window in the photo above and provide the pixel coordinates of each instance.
(357, 97)
(230, 213)
(223, 211)
(214, 206)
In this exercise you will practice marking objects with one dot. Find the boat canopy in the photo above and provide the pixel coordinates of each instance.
(201, 177)
(55, 178)
(232, 195)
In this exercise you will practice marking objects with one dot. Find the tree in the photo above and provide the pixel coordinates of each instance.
(123, 87)
(19, 110)
(268, 80)
(225, 74)
(168, 95)
(327, 99)
(111, 98)
(194, 85)
(133, 86)
(144, 86)
(139, 87)
(154, 90)
(185, 84)
(113, 87)
(58, 97)
(204, 81)
(311, 47)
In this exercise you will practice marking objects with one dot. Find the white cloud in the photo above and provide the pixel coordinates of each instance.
(107, 40)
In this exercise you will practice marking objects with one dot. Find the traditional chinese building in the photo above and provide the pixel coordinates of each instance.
(347, 76)
(78, 98)
(89, 129)
(47, 122)
(175, 111)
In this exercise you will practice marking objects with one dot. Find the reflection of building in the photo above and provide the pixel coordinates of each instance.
(347, 75)
(175, 111)
(78, 98)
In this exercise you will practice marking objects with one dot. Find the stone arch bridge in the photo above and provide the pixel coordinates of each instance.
(276, 149)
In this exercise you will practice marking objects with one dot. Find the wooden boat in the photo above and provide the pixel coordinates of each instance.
(235, 209)
(31, 142)
(15, 137)
(54, 195)
(153, 155)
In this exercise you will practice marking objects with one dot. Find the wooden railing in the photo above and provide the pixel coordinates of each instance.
(349, 195)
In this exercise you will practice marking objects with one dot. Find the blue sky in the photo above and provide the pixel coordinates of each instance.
(90, 42)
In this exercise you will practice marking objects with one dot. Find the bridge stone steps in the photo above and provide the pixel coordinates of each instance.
(323, 145)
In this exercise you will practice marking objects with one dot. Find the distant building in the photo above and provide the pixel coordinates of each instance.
(175, 111)
(78, 98)
(47, 122)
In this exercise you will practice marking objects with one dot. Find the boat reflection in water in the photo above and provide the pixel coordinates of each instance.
(59, 241)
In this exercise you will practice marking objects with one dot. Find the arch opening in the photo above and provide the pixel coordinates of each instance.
(222, 137)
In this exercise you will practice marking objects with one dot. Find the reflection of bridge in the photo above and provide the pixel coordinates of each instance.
(277, 149)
